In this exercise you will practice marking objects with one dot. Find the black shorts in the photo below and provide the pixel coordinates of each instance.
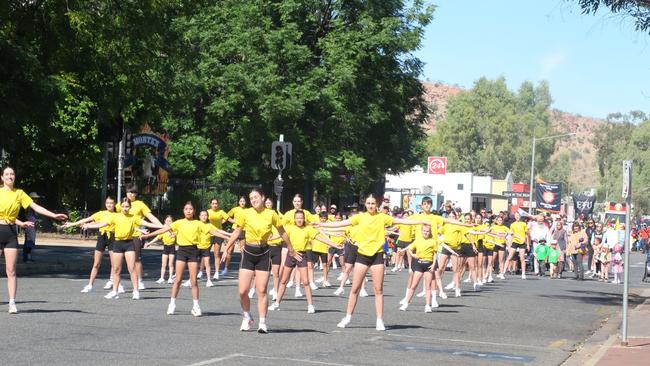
(403, 244)
(216, 240)
(516, 246)
(169, 249)
(466, 250)
(276, 255)
(350, 253)
(315, 256)
(187, 253)
(418, 265)
(242, 235)
(256, 258)
(8, 237)
(123, 246)
(485, 251)
(375, 259)
(479, 246)
(290, 262)
(446, 251)
(310, 256)
(204, 253)
(138, 243)
(333, 251)
(498, 248)
(104, 241)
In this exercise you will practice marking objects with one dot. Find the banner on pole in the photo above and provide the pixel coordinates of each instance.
(548, 196)
(584, 204)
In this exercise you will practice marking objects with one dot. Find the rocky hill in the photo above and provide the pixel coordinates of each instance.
(579, 149)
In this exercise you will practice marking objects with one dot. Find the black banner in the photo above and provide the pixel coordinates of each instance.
(548, 196)
(583, 204)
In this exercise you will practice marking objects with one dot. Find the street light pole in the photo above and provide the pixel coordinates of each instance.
(532, 166)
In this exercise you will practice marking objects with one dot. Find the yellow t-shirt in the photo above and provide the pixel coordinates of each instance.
(234, 212)
(454, 235)
(289, 217)
(478, 237)
(497, 229)
(188, 232)
(318, 246)
(520, 229)
(138, 209)
(337, 239)
(104, 216)
(437, 223)
(10, 203)
(371, 229)
(406, 232)
(205, 241)
(217, 218)
(301, 236)
(351, 233)
(278, 241)
(258, 225)
(125, 225)
(166, 238)
(424, 248)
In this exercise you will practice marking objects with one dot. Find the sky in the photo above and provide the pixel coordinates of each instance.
(594, 64)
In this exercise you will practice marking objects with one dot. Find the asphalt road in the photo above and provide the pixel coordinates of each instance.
(536, 321)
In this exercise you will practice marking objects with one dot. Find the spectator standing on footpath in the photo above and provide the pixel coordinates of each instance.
(589, 230)
(560, 235)
(577, 248)
(30, 231)
(611, 236)
(538, 231)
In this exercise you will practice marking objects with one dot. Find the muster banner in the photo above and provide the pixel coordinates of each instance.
(548, 196)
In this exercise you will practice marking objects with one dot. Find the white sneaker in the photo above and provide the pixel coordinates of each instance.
(442, 295)
(274, 297)
(403, 301)
(136, 295)
(298, 293)
(87, 289)
(13, 309)
(404, 306)
(187, 283)
(421, 293)
(290, 284)
(311, 309)
(319, 280)
(339, 291)
(457, 292)
(160, 281)
(274, 306)
(344, 322)
(112, 295)
(199, 275)
(108, 285)
(380, 325)
(340, 277)
(313, 286)
(171, 309)
(141, 285)
(251, 293)
(347, 282)
(209, 283)
(170, 281)
(216, 276)
(120, 289)
(450, 286)
(523, 276)
(334, 266)
(427, 309)
(468, 280)
(394, 269)
(262, 329)
(501, 276)
(434, 302)
(225, 273)
(196, 311)
(490, 279)
(363, 292)
(477, 287)
(327, 284)
(246, 324)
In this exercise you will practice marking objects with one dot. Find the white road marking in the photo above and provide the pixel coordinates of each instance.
(234, 355)
(215, 360)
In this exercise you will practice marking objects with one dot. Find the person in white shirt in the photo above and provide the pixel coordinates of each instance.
(611, 236)
(537, 231)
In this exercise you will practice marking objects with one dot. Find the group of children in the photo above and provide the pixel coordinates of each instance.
(548, 255)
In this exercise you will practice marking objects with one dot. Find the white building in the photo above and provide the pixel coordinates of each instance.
(465, 190)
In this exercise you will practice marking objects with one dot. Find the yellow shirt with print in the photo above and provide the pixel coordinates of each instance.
(10, 203)
(187, 232)
(371, 230)
(258, 225)
(104, 216)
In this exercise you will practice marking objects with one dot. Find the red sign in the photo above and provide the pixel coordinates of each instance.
(437, 165)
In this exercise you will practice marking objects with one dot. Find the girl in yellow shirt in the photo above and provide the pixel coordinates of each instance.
(423, 256)
(257, 222)
(406, 233)
(217, 217)
(105, 239)
(169, 252)
(371, 229)
(125, 225)
(497, 238)
(233, 213)
(300, 235)
(11, 200)
(479, 240)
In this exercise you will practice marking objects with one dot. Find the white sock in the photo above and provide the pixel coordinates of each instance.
(12, 301)
(407, 292)
(196, 303)
(247, 315)
(262, 321)
(172, 301)
(348, 317)
(433, 293)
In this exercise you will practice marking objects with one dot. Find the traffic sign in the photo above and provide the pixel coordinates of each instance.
(627, 177)
(437, 165)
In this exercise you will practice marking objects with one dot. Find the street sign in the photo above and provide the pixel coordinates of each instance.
(437, 165)
(627, 177)
(511, 194)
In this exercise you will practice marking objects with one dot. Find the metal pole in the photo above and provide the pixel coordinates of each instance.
(532, 177)
(626, 248)
(120, 166)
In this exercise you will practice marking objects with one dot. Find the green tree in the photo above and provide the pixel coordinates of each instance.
(638, 10)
